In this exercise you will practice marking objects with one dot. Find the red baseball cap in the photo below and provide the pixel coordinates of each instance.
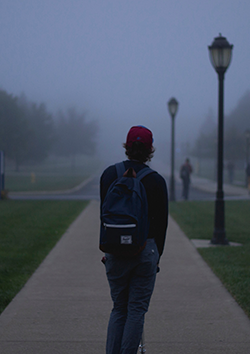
(140, 133)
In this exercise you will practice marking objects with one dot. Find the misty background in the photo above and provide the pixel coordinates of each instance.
(119, 62)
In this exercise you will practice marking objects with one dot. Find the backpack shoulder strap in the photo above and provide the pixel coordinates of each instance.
(120, 169)
(143, 173)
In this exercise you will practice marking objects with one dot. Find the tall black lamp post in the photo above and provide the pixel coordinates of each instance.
(172, 107)
(247, 145)
(247, 132)
(220, 56)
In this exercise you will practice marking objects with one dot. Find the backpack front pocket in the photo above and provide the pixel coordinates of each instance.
(119, 234)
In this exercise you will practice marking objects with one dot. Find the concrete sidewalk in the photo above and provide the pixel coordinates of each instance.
(211, 186)
(231, 191)
(64, 307)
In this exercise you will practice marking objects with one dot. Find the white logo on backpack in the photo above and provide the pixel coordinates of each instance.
(126, 240)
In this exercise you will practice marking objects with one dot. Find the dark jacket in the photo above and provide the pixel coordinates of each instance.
(157, 197)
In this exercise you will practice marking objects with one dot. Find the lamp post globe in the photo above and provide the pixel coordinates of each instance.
(220, 55)
(172, 108)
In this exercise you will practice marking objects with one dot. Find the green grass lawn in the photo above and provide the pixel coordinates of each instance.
(52, 175)
(230, 264)
(28, 231)
(24, 183)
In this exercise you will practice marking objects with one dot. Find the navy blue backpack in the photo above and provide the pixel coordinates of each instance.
(124, 214)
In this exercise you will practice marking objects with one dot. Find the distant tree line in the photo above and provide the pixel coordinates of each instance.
(29, 133)
(235, 126)
(74, 135)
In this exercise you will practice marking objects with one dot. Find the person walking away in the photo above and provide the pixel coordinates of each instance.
(132, 279)
(185, 172)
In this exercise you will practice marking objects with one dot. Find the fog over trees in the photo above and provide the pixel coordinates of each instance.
(235, 126)
(40, 130)
(29, 133)
(74, 135)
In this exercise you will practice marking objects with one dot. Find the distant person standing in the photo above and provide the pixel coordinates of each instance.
(230, 168)
(185, 171)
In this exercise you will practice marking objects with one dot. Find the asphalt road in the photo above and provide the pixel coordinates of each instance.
(91, 191)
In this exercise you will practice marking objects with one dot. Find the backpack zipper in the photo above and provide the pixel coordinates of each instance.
(119, 226)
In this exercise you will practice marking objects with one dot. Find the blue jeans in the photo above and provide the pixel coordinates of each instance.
(131, 282)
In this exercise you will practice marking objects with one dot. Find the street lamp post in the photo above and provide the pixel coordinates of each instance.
(1, 173)
(247, 132)
(172, 107)
(247, 145)
(220, 56)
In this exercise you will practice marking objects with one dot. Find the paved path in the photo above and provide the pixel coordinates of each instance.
(200, 188)
(64, 307)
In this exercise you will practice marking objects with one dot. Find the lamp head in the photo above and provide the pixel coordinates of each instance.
(220, 53)
(173, 106)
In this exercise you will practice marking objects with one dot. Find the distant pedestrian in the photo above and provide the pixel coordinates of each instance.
(230, 168)
(185, 171)
(132, 279)
(248, 177)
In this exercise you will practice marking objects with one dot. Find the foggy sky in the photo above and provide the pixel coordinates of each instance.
(122, 60)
